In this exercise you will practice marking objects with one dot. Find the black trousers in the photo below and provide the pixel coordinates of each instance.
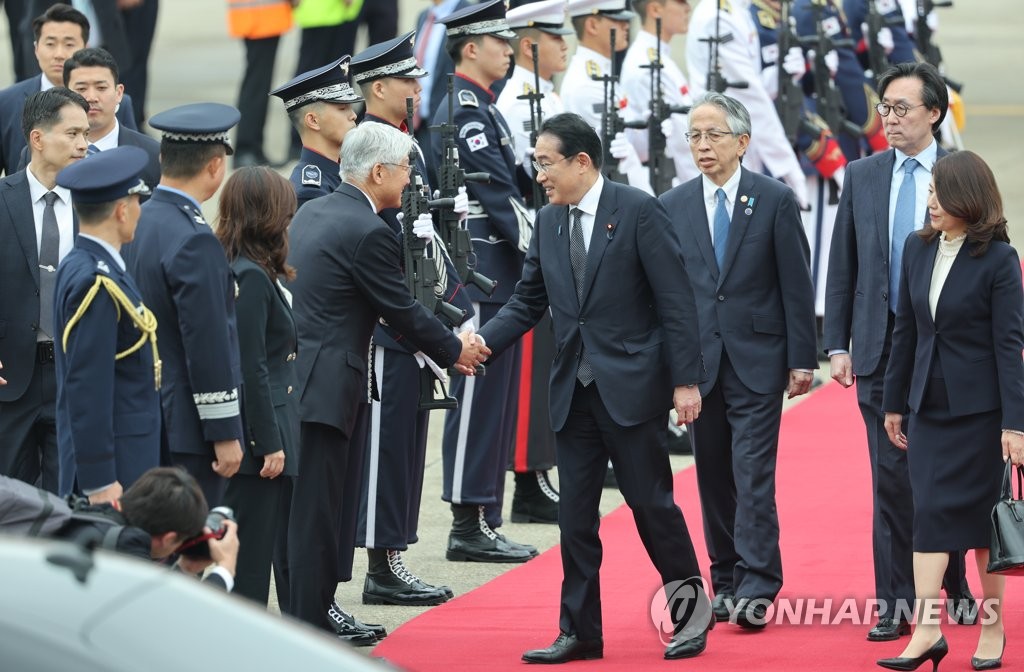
(199, 467)
(641, 463)
(15, 10)
(261, 511)
(252, 96)
(28, 431)
(140, 29)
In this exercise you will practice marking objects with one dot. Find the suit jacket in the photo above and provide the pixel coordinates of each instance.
(759, 308)
(977, 333)
(184, 277)
(637, 318)
(348, 277)
(12, 104)
(108, 410)
(111, 25)
(857, 287)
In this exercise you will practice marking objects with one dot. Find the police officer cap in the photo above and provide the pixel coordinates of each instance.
(487, 18)
(547, 16)
(106, 176)
(612, 9)
(393, 58)
(327, 84)
(197, 123)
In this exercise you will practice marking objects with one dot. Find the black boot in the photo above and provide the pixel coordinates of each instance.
(534, 500)
(472, 539)
(389, 581)
(351, 630)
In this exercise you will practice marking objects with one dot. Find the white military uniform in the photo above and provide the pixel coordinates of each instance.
(636, 89)
(517, 111)
(740, 60)
(586, 95)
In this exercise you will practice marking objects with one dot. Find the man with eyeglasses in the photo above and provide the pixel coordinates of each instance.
(747, 260)
(884, 199)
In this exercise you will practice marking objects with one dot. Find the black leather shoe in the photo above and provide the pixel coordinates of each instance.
(962, 608)
(935, 653)
(751, 614)
(888, 630)
(989, 663)
(351, 630)
(565, 649)
(610, 481)
(473, 540)
(722, 605)
(529, 548)
(389, 581)
(534, 500)
(688, 648)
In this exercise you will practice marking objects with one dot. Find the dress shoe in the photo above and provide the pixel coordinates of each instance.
(610, 481)
(534, 500)
(565, 649)
(722, 605)
(887, 630)
(351, 630)
(935, 653)
(751, 614)
(389, 581)
(962, 608)
(989, 663)
(529, 548)
(472, 539)
(688, 648)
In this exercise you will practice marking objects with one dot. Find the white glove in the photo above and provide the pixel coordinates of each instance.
(622, 150)
(440, 373)
(831, 61)
(794, 62)
(932, 20)
(884, 38)
(797, 181)
(667, 128)
(423, 227)
(461, 206)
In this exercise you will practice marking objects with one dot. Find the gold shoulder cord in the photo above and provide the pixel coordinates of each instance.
(146, 321)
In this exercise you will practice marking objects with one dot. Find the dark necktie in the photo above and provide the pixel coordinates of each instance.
(902, 225)
(49, 257)
(578, 260)
(721, 227)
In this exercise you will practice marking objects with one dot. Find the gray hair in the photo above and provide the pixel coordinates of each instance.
(735, 114)
(371, 143)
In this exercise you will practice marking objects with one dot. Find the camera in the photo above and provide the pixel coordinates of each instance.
(198, 546)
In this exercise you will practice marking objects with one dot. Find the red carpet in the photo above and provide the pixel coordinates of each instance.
(824, 500)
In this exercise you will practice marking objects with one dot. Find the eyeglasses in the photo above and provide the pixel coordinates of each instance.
(713, 137)
(545, 167)
(407, 167)
(900, 109)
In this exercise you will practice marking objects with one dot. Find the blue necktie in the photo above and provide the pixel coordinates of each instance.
(721, 228)
(902, 225)
(92, 149)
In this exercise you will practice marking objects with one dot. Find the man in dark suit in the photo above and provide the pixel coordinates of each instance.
(860, 302)
(347, 281)
(108, 23)
(37, 230)
(747, 260)
(108, 404)
(184, 277)
(59, 33)
(627, 351)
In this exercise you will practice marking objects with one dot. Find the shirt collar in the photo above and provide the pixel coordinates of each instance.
(181, 193)
(373, 206)
(44, 83)
(588, 204)
(526, 75)
(925, 158)
(108, 141)
(37, 190)
(476, 84)
(730, 187)
(110, 249)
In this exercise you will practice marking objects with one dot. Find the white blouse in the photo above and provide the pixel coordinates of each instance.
(948, 249)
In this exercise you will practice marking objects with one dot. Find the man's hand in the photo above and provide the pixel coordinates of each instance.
(686, 399)
(273, 465)
(894, 428)
(842, 368)
(473, 352)
(224, 551)
(1013, 447)
(799, 383)
(229, 457)
(108, 495)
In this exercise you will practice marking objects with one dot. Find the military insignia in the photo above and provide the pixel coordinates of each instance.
(593, 69)
(831, 26)
(725, 5)
(199, 219)
(469, 128)
(468, 99)
(102, 266)
(652, 54)
(311, 175)
(886, 6)
(478, 141)
(527, 89)
(344, 68)
(767, 19)
(743, 199)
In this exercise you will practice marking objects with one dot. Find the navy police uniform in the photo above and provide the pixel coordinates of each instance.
(184, 277)
(108, 407)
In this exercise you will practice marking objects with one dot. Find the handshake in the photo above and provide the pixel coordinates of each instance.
(474, 352)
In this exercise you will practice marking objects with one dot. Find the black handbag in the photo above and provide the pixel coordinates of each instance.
(1007, 549)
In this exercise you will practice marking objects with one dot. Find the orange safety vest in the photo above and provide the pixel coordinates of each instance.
(257, 19)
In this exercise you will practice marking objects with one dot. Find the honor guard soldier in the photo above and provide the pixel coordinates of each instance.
(319, 105)
(184, 277)
(539, 25)
(108, 367)
(478, 435)
(396, 449)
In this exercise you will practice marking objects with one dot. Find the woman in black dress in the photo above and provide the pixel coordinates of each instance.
(256, 207)
(956, 370)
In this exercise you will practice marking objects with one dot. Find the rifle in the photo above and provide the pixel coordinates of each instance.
(923, 38)
(421, 274)
(536, 119)
(790, 101)
(662, 170)
(716, 81)
(878, 60)
(612, 122)
(830, 101)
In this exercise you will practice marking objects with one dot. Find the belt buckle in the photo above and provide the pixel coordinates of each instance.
(44, 352)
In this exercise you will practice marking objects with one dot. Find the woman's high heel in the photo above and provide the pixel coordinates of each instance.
(935, 653)
(989, 663)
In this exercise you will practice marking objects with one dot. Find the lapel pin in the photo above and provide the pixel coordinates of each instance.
(743, 199)
(611, 229)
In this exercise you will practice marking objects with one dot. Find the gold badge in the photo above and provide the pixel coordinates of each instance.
(593, 69)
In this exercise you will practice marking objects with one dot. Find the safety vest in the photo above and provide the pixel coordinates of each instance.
(257, 19)
(318, 13)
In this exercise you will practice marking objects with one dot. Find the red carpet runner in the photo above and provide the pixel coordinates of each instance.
(824, 499)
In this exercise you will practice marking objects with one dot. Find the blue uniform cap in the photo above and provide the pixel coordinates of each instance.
(487, 18)
(106, 176)
(393, 58)
(547, 16)
(197, 123)
(328, 84)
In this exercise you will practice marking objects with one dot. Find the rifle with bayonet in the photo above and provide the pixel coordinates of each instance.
(421, 272)
(829, 99)
(536, 119)
(662, 169)
(716, 81)
(612, 122)
(923, 38)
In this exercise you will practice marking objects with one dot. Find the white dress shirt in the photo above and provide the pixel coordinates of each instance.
(730, 187)
(108, 141)
(922, 180)
(588, 206)
(61, 208)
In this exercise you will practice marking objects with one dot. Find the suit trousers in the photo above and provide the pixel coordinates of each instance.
(140, 29)
(252, 96)
(640, 457)
(199, 467)
(28, 431)
(735, 445)
(259, 505)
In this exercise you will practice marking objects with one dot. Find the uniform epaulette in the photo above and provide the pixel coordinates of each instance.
(527, 89)
(311, 175)
(652, 54)
(725, 5)
(193, 214)
(468, 99)
(593, 69)
(766, 16)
